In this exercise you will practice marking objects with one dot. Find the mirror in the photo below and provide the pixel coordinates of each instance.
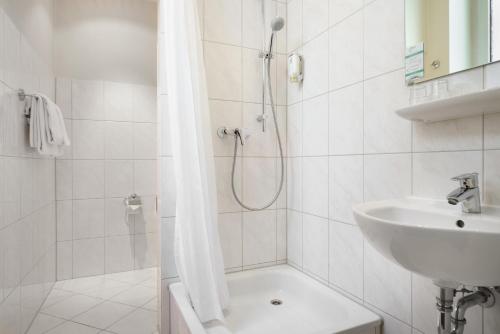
(449, 36)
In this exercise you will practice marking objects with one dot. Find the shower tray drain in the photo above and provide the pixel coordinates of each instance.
(276, 302)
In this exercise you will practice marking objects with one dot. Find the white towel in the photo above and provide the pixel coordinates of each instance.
(47, 129)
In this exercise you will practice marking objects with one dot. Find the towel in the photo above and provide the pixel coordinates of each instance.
(47, 129)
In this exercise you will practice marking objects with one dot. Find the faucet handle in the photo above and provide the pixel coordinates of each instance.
(468, 180)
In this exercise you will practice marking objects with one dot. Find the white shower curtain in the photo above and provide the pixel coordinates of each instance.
(198, 251)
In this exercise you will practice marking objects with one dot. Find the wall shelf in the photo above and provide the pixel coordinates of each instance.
(483, 102)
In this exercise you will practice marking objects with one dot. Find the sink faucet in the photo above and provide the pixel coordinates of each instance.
(468, 193)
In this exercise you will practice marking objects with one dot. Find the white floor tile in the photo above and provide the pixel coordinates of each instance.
(135, 296)
(43, 323)
(73, 328)
(140, 321)
(151, 305)
(104, 315)
(72, 306)
(55, 296)
(133, 277)
(108, 289)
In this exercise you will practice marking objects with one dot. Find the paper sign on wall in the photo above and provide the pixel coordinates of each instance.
(414, 61)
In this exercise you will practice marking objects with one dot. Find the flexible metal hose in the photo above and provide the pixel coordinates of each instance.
(282, 159)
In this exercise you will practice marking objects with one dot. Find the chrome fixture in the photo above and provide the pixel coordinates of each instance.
(467, 194)
(452, 318)
(241, 135)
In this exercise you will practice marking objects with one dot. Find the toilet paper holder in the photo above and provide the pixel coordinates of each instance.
(133, 204)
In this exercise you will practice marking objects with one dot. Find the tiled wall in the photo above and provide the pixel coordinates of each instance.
(113, 132)
(232, 40)
(27, 191)
(346, 145)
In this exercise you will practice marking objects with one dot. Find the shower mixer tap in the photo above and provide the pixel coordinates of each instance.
(240, 133)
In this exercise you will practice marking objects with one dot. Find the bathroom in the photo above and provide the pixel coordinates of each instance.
(293, 176)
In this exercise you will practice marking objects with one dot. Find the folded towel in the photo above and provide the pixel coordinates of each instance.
(47, 129)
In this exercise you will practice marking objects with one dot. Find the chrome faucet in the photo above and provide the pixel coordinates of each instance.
(468, 193)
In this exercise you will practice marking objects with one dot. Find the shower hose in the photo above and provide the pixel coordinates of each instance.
(238, 138)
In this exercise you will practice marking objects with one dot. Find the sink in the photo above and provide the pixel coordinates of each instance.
(435, 239)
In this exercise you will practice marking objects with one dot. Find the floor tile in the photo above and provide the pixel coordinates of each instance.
(55, 296)
(73, 328)
(151, 305)
(135, 296)
(72, 306)
(43, 323)
(140, 321)
(133, 277)
(104, 315)
(108, 289)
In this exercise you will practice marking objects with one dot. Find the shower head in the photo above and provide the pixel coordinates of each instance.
(277, 23)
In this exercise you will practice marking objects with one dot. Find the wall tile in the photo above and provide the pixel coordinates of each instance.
(294, 26)
(228, 114)
(116, 222)
(340, 9)
(259, 237)
(259, 181)
(119, 142)
(294, 237)
(224, 71)
(387, 285)
(315, 18)
(281, 230)
(64, 220)
(144, 104)
(294, 130)
(230, 231)
(119, 251)
(146, 250)
(315, 65)
(346, 258)
(384, 44)
(315, 126)
(88, 179)
(145, 177)
(346, 120)
(383, 95)
(63, 96)
(387, 176)
(64, 260)
(88, 257)
(118, 101)
(492, 177)
(168, 188)
(315, 247)
(144, 141)
(88, 100)
(88, 139)
(260, 143)
(225, 198)
(460, 134)
(315, 186)
(492, 75)
(432, 171)
(294, 183)
(223, 21)
(346, 52)
(119, 178)
(88, 218)
(346, 186)
(491, 133)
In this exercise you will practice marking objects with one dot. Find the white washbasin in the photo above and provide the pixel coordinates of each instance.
(424, 237)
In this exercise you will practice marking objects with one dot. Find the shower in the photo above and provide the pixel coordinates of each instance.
(276, 25)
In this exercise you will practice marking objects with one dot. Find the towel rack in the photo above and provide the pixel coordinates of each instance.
(22, 94)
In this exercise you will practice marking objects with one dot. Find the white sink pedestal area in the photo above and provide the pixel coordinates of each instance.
(439, 241)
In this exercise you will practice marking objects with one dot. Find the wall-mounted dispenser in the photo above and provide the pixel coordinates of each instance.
(133, 205)
(295, 68)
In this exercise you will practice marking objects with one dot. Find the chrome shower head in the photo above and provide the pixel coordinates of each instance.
(277, 23)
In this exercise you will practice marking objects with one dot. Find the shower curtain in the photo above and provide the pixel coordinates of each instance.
(198, 252)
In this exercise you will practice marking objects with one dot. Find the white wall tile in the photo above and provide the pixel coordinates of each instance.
(145, 177)
(223, 21)
(225, 198)
(387, 176)
(88, 179)
(460, 134)
(146, 250)
(315, 247)
(145, 141)
(119, 178)
(228, 114)
(346, 52)
(168, 188)
(492, 75)
(492, 177)
(383, 95)
(491, 133)
(88, 139)
(346, 186)
(384, 44)
(315, 66)
(144, 104)
(88, 100)
(64, 96)
(64, 260)
(294, 130)
(119, 142)
(294, 24)
(315, 186)
(88, 218)
(346, 258)
(64, 220)
(258, 193)
(346, 120)
(340, 9)
(224, 71)
(432, 172)
(294, 237)
(281, 230)
(88, 257)
(259, 237)
(230, 231)
(315, 18)
(387, 285)
(315, 126)
(118, 101)
(294, 183)
(260, 143)
(119, 251)
(116, 222)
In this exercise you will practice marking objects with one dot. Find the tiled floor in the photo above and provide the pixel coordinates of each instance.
(122, 303)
